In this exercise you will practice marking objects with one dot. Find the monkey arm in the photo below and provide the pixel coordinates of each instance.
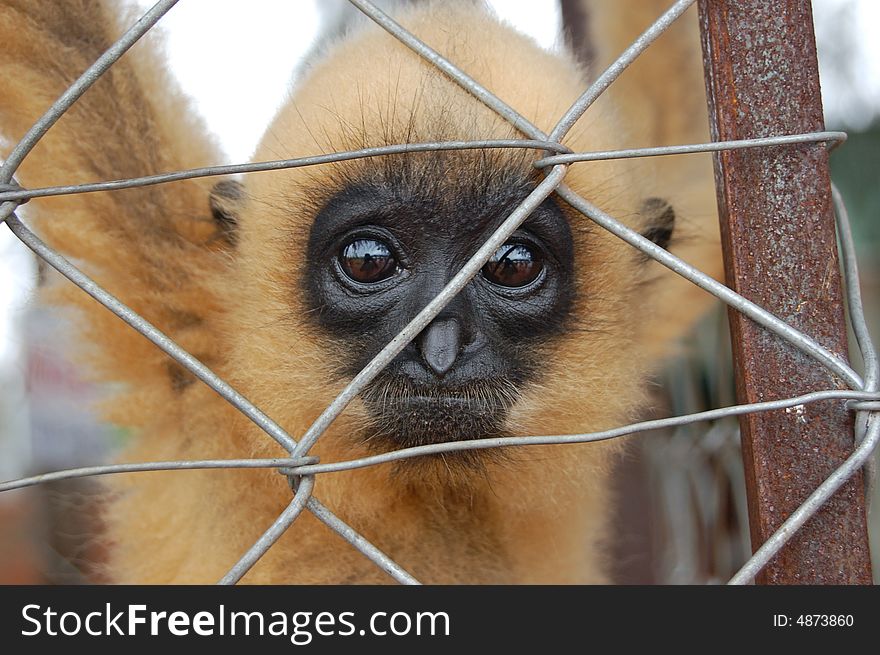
(153, 247)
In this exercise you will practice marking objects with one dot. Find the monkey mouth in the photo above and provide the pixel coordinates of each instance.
(404, 414)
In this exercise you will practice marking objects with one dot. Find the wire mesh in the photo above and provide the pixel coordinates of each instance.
(862, 396)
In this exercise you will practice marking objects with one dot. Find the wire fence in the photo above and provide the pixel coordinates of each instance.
(861, 396)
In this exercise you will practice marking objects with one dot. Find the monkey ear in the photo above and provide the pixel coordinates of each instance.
(659, 221)
(226, 200)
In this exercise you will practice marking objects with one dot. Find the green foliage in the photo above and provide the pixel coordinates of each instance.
(855, 168)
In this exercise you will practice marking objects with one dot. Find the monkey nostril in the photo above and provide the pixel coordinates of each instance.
(439, 344)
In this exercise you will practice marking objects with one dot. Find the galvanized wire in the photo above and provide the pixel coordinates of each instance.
(15, 192)
(862, 396)
(302, 466)
(273, 534)
(832, 138)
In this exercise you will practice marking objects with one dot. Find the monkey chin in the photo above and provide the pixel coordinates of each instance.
(404, 415)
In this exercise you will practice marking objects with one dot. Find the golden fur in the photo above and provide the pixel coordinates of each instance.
(536, 515)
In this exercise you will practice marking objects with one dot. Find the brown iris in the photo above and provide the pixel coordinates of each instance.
(513, 265)
(367, 261)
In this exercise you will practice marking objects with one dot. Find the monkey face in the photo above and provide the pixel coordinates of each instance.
(342, 256)
(383, 247)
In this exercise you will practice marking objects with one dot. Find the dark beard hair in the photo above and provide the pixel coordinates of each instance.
(404, 414)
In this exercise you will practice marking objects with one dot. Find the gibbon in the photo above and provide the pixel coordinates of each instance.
(286, 283)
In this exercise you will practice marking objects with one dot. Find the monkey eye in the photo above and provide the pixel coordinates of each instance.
(367, 261)
(514, 265)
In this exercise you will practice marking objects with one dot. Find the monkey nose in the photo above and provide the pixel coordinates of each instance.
(439, 344)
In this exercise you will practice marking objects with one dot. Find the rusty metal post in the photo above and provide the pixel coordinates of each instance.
(780, 251)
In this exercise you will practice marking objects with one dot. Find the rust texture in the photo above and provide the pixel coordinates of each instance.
(780, 251)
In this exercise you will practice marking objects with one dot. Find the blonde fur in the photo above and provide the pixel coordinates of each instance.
(535, 515)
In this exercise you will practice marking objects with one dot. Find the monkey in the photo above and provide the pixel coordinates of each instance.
(286, 283)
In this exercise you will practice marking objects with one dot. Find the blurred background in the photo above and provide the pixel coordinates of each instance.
(684, 517)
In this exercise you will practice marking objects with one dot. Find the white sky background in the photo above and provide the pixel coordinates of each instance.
(236, 58)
